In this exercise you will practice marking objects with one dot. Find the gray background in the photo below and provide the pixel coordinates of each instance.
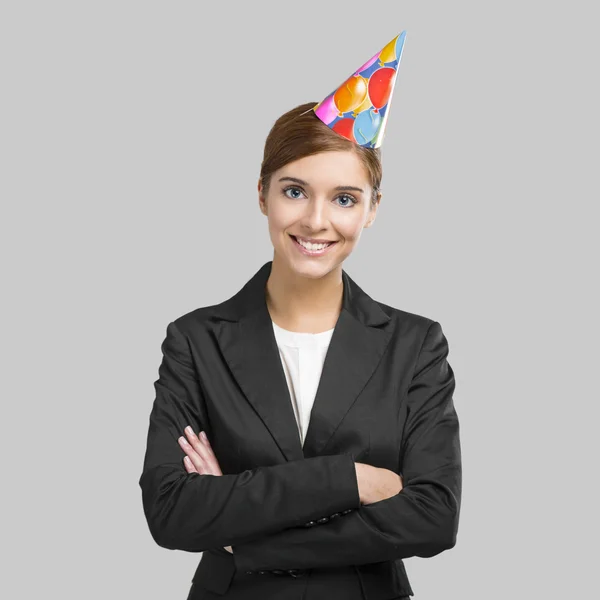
(131, 139)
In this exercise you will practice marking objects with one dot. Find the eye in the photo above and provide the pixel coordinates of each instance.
(352, 198)
(292, 188)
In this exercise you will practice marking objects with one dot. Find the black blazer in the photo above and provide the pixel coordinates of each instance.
(384, 398)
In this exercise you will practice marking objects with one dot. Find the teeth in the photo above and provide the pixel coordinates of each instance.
(310, 246)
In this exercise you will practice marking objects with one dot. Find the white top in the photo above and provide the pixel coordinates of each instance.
(302, 356)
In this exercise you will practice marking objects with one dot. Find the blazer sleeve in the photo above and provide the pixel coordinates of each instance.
(193, 512)
(421, 520)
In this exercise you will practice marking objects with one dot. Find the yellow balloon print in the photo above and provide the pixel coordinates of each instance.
(364, 106)
(388, 54)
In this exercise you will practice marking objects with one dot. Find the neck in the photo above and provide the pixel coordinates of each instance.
(304, 304)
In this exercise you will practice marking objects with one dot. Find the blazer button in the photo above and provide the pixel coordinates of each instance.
(323, 520)
(345, 512)
(278, 572)
(310, 524)
(261, 572)
(334, 515)
(297, 572)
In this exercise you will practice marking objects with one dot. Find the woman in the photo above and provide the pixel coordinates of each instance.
(303, 435)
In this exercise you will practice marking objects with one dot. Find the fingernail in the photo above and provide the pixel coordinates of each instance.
(182, 440)
(203, 435)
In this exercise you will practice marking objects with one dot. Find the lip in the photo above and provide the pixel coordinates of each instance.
(313, 240)
(306, 252)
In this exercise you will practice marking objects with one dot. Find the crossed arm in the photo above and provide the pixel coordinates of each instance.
(194, 512)
(374, 484)
(197, 512)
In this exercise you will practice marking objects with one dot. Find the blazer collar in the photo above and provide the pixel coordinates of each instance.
(247, 341)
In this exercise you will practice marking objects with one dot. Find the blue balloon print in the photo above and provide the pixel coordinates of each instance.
(366, 125)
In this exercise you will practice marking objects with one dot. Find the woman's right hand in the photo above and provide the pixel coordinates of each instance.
(375, 484)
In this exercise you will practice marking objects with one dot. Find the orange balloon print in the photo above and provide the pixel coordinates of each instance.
(351, 94)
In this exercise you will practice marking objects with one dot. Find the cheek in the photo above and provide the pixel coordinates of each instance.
(282, 219)
(278, 226)
(276, 220)
(279, 215)
(350, 231)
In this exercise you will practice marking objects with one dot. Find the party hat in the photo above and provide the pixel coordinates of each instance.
(358, 109)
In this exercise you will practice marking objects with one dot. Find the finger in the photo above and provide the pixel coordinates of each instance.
(205, 451)
(196, 444)
(212, 460)
(204, 439)
(197, 461)
(189, 465)
(199, 456)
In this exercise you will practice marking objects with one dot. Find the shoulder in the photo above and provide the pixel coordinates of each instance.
(195, 320)
(407, 320)
(419, 331)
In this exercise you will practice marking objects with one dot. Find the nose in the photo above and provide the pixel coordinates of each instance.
(316, 214)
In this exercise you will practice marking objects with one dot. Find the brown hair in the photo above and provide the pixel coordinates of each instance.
(295, 135)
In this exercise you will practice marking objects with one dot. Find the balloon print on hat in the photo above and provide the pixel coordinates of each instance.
(358, 108)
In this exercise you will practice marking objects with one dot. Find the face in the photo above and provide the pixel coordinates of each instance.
(324, 197)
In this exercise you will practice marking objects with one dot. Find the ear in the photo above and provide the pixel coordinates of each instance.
(373, 211)
(261, 200)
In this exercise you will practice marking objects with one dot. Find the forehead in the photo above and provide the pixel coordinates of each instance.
(328, 169)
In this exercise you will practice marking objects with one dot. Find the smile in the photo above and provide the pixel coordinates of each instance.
(312, 249)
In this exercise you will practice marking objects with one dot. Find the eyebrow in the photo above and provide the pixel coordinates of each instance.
(341, 188)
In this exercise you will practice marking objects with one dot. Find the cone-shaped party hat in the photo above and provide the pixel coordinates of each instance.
(358, 109)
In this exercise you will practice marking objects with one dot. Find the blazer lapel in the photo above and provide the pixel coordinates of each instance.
(247, 341)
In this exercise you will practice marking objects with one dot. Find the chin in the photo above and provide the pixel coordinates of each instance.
(312, 269)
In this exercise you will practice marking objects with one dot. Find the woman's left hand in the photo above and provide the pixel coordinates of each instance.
(200, 457)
